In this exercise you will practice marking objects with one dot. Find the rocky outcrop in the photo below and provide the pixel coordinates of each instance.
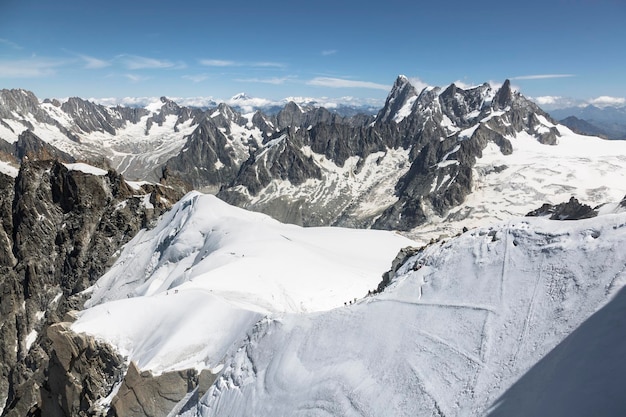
(142, 394)
(91, 117)
(30, 146)
(81, 372)
(60, 231)
(280, 158)
(170, 108)
(572, 210)
(207, 160)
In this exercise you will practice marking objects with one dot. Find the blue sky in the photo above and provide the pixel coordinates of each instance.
(322, 48)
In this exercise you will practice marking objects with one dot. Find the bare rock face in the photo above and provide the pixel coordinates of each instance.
(80, 372)
(144, 395)
(59, 232)
(572, 210)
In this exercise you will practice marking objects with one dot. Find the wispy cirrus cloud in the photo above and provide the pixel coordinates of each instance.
(34, 67)
(229, 63)
(328, 52)
(346, 83)
(94, 63)
(196, 78)
(272, 80)
(135, 78)
(542, 76)
(89, 61)
(267, 64)
(218, 63)
(136, 62)
(10, 44)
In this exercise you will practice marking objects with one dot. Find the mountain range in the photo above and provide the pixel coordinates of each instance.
(418, 161)
(608, 122)
(137, 279)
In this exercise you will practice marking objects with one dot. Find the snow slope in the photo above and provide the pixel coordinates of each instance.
(181, 294)
(447, 338)
(589, 168)
(583, 376)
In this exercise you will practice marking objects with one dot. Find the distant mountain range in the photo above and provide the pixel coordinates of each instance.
(608, 122)
(418, 160)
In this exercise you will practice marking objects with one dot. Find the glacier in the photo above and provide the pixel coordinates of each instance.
(215, 287)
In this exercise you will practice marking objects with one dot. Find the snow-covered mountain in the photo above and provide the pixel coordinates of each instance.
(444, 158)
(219, 311)
(261, 306)
(438, 158)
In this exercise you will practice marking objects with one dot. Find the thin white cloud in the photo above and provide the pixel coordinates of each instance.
(557, 102)
(135, 62)
(343, 83)
(9, 44)
(328, 52)
(135, 78)
(30, 68)
(548, 100)
(267, 65)
(229, 63)
(218, 63)
(608, 101)
(94, 63)
(273, 80)
(196, 78)
(542, 76)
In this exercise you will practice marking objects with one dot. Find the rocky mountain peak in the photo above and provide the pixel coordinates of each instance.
(463, 106)
(402, 95)
(290, 115)
(18, 100)
(504, 96)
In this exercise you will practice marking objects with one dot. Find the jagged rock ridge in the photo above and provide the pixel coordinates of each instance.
(414, 161)
(61, 226)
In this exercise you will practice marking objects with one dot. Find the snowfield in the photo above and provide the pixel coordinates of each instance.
(262, 303)
(212, 270)
(589, 168)
(447, 338)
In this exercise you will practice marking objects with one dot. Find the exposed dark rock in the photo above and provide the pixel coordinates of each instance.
(401, 92)
(170, 108)
(504, 96)
(90, 117)
(144, 395)
(207, 159)
(80, 372)
(59, 232)
(464, 107)
(399, 260)
(279, 159)
(30, 146)
(572, 210)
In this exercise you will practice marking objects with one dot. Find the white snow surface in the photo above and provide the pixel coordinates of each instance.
(589, 168)
(8, 169)
(86, 168)
(181, 294)
(447, 338)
